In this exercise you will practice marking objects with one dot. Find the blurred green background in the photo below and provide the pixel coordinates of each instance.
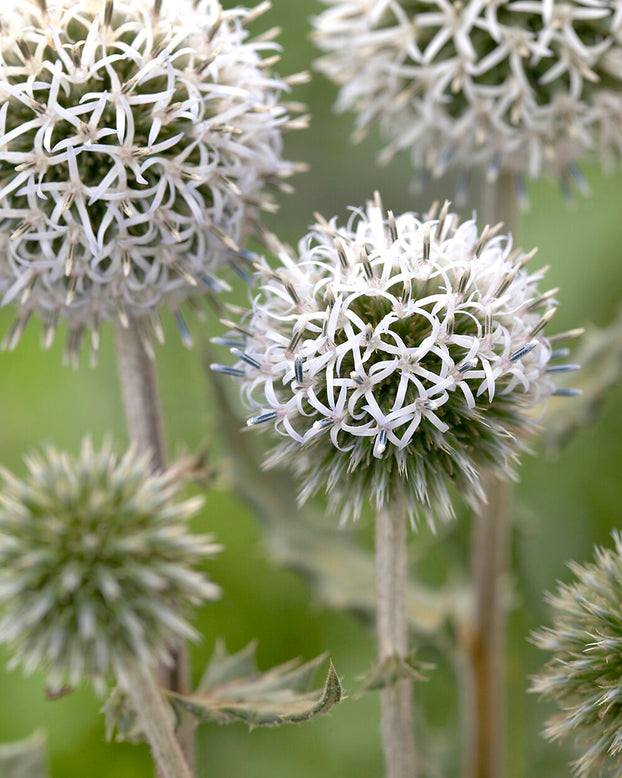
(562, 506)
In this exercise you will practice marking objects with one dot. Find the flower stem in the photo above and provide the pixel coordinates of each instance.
(485, 706)
(392, 626)
(487, 637)
(139, 387)
(138, 682)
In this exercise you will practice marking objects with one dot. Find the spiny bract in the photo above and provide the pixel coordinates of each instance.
(584, 674)
(396, 355)
(96, 561)
(526, 86)
(137, 145)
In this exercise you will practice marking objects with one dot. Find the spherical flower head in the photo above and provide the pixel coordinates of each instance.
(523, 86)
(96, 563)
(396, 356)
(584, 674)
(139, 142)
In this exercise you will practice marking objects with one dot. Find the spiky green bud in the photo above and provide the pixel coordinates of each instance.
(96, 562)
(584, 674)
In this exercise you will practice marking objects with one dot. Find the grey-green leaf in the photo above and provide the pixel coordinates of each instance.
(600, 358)
(278, 696)
(387, 673)
(25, 758)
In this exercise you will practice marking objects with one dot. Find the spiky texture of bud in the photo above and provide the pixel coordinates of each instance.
(584, 674)
(396, 356)
(138, 144)
(96, 562)
(522, 86)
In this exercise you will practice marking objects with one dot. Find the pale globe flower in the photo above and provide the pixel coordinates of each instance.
(584, 672)
(395, 356)
(526, 87)
(138, 143)
(96, 560)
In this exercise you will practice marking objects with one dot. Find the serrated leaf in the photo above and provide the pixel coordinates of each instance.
(223, 666)
(25, 758)
(120, 720)
(340, 572)
(600, 357)
(387, 673)
(278, 696)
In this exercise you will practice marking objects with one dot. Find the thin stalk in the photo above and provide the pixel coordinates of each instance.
(487, 638)
(139, 388)
(485, 703)
(139, 684)
(392, 627)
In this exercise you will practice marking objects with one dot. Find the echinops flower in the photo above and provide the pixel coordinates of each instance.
(138, 143)
(96, 564)
(396, 356)
(526, 86)
(584, 674)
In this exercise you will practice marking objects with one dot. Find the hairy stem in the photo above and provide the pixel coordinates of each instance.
(139, 684)
(485, 704)
(392, 626)
(139, 388)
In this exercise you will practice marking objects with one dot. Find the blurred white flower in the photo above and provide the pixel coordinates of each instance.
(523, 86)
(138, 143)
(396, 356)
(96, 560)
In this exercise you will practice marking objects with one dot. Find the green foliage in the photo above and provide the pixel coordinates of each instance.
(233, 690)
(25, 759)
(388, 672)
(600, 357)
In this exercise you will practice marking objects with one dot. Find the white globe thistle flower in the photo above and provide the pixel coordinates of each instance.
(96, 561)
(526, 86)
(138, 142)
(396, 356)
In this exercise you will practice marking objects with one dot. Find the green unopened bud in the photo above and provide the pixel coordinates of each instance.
(95, 563)
(584, 674)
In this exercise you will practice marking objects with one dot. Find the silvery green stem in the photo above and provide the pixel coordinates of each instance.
(139, 388)
(500, 203)
(485, 705)
(392, 626)
(139, 684)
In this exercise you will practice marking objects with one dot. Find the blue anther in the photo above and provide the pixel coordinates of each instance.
(245, 358)
(521, 352)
